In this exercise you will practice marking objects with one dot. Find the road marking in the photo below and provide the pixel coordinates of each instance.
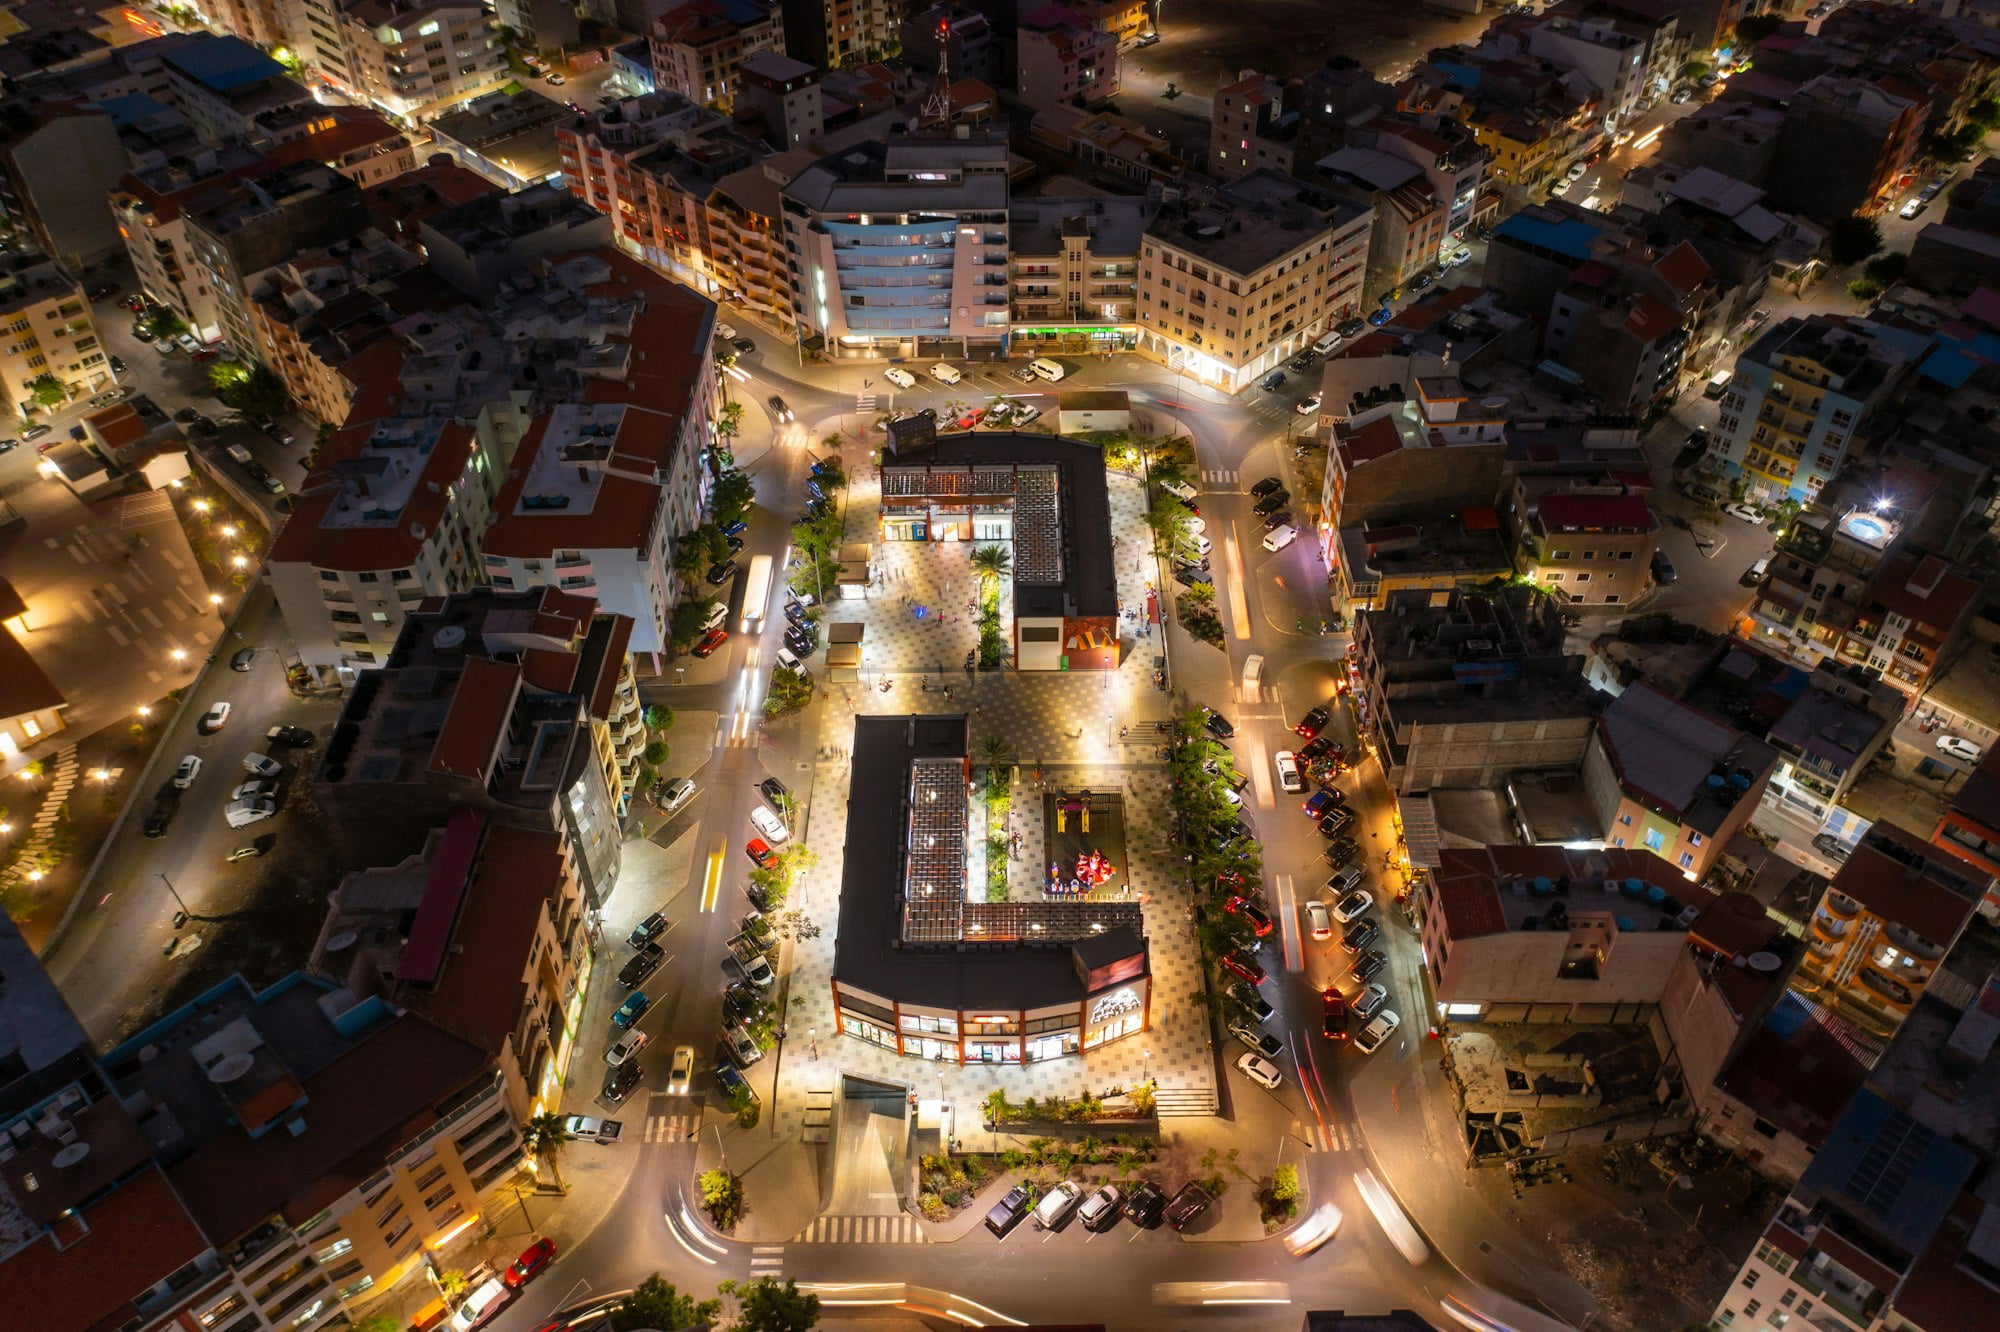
(711, 882)
(671, 1128)
(901, 1228)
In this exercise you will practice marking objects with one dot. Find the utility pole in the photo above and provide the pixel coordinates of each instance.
(182, 916)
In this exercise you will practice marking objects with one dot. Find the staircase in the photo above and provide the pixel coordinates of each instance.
(1184, 1102)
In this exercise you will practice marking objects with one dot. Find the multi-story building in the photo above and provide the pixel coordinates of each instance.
(1236, 283)
(1664, 776)
(1106, 146)
(417, 60)
(1614, 62)
(58, 160)
(358, 143)
(509, 138)
(962, 37)
(1844, 142)
(597, 491)
(1800, 394)
(699, 46)
(1910, 618)
(1251, 126)
(830, 33)
(1970, 827)
(1058, 57)
(787, 93)
(1827, 736)
(46, 335)
(1625, 343)
(1410, 221)
(235, 234)
(313, 313)
(529, 718)
(611, 159)
(900, 248)
(1074, 266)
(547, 26)
(1462, 688)
(226, 87)
(1590, 544)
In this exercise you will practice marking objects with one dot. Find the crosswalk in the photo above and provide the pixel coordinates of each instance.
(899, 1229)
(672, 1128)
(767, 1260)
(864, 402)
(1220, 476)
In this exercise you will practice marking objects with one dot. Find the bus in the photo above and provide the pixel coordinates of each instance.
(1484, 1310)
(756, 594)
(1395, 1224)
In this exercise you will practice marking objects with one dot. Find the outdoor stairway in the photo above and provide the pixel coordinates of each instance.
(1182, 1102)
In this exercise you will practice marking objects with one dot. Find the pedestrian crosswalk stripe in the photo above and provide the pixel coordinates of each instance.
(899, 1229)
(1221, 476)
(671, 1128)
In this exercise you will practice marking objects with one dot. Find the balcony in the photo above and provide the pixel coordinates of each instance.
(1841, 905)
(1892, 990)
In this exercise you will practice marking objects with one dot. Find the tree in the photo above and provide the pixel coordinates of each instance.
(995, 751)
(1285, 1183)
(1985, 114)
(47, 390)
(163, 323)
(698, 549)
(790, 691)
(656, 1303)
(734, 494)
(656, 752)
(729, 422)
(690, 618)
(253, 391)
(1955, 145)
(379, 1322)
(721, 1197)
(452, 1285)
(831, 475)
(544, 1138)
(766, 1306)
(1864, 289)
(1887, 269)
(992, 563)
(1754, 28)
(1853, 239)
(658, 717)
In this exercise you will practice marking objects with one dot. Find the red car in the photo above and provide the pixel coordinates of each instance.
(203, 357)
(1260, 920)
(104, 292)
(971, 418)
(1334, 1005)
(530, 1264)
(710, 641)
(1244, 968)
(760, 851)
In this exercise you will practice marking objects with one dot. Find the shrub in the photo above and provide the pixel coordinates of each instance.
(1285, 1183)
(932, 1207)
(975, 1169)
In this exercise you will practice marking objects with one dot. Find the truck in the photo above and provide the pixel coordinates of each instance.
(747, 952)
(587, 1129)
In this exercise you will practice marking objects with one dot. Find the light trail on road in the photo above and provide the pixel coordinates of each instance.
(1239, 605)
(1303, 1059)
(711, 881)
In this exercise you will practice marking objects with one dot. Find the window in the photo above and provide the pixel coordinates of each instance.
(1687, 860)
(1694, 839)
(1750, 1280)
(1558, 554)
(1655, 840)
(1625, 819)
(1750, 1309)
(371, 578)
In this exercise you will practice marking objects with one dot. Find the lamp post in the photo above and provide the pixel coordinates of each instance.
(181, 918)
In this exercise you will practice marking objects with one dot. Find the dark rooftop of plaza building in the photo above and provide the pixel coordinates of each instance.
(1062, 511)
(905, 929)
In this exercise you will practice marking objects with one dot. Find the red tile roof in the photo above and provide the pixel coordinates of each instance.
(1683, 269)
(24, 687)
(606, 687)
(1578, 513)
(357, 128)
(621, 514)
(133, 1237)
(445, 886)
(1923, 589)
(1903, 893)
(479, 995)
(549, 669)
(1651, 318)
(479, 709)
(1377, 439)
(1802, 1083)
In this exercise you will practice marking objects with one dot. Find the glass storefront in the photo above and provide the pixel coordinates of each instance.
(927, 1047)
(992, 1052)
(1053, 1046)
(867, 1031)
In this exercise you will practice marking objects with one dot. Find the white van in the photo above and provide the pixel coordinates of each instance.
(239, 453)
(1049, 370)
(1717, 383)
(1327, 342)
(945, 374)
(717, 613)
(243, 813)
(1282, 537)
(480, 1305)
(900, 377)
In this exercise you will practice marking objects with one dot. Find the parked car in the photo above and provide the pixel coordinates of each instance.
(214, 719)
(1319, 919)
(1190, 1202)
(1144, 1208)
(1320, 804)
(1333, 1014)
(1280, 536)
(262, 765)
(1738, 509)
(1243, 968)
(1664, 572)
(1260, 919)
(1266, 486)
(744, 346)
(248, 851)
(296, 737)
(1381, 316)
(1257, 1040)
(1336, 823)
(585, 1128)
(902, 378)
(255, 789)
(1379, 1029)
(1360, 934)
(1100, 1210)
(1217, 725)
(1368, 964)
(1247, 995)
(634, 1008)
(1057, 1205)
(1370, 1000)
(641, 965)
(1343, 850)
(710, 641)
(1272, 382)
(1290, 779)
(1959, 747)
(1307, 406)
(733, 1084)
(674, 795)
(186, 771)
(1827, 844)
(758, 850)
(769, 824)
(530, 1264)
(1352, 905)
(647, 930)
(721, 572)
(618, 1084)
(626, 1046)
(1316, 748)
(1007, 1213)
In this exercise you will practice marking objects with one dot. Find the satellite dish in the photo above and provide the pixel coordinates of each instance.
(1764, 962)
(148, 1053)
(339, 942)
(230, 1067)
(71, 1154)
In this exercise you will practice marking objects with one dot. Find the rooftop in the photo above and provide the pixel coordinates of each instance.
(1909, 882)
(1892, 1172)
(1679, 760)
(583, 477)
(1497, 889)
(1251, 222)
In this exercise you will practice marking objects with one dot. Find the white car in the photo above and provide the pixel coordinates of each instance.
(1025, 412)
(1308, 406)
(675, 794)
(727, 332)
(1462, 255)
(1369, 1002)
(1290, 779)
(1354, 905)
(1280, 537)
(242, 813)
(1314, 1231)
(1195, 523)
(1260, 1071)
(1738, 509)
(1202, 546)
(262, 765)
(900, 377)
(189, 769)
(628, 1045)
(1319, 919)
(214, 719)
(682, 1072)
(1578, 170)
(257, 788)
(1379, 1029)
(1958, 747)
(769, 825)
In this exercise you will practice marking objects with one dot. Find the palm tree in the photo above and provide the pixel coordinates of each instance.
(995, 751)
(992, 563)
(544, 1137)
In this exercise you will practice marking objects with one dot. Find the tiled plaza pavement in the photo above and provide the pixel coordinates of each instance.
(1064, 724)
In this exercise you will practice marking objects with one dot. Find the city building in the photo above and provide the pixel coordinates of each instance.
(962, 37)
(58, 160)
(151, 208)
(1799, 396)
(417, 59)
(1666, 777)
(1073, 265)
(1437, 550)
(624, 160)
(1106, 147)
(699, 46)
(1046, 498)
(1553, 934)
(50, 341)
(1463, 688)
(1827, 734)
(1970, 827)
(547, 27)
(1058, 57)
(830, 33)
(519, 706)
(787, 93)
(1613, 61)
(1589, 544)
(509, 138)
(1235, 282)
(228, 88)
(931, 201)
(921, 970)
(1624, 343)
(1250, 126)
(31, 706)
(1844, 142)
(314, 313)
(1411, 223)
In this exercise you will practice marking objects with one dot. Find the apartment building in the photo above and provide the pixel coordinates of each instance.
(313, 313)
(1590, 545)
(58, 159)
(1411, 223)
(1969, 828)
(1614, 62)
(529, 719)
(46, 329)
(900, 248)
(237, 233)
(1462, 688)
(1827, 735)
(618, 158)
(548, 27)
(417, 59)
(226, 87)
(1252, 126)
(1058, 57)
(699, 46)
(830, 33)
(1106, 147)
(1844, 141)
(1662, 775)
(358, 143)
(1799, 394)
(1073, 266)
(961, 36)
(1236, 282)
(786, 92)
